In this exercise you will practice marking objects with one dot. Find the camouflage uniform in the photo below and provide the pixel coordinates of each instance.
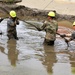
(73, 35)
(50, 28)
(11, 28)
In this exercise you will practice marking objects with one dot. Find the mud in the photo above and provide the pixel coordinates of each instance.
(25, 13)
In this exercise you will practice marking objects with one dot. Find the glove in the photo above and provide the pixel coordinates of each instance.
(1, 19)
(66, 40)
(63, 35)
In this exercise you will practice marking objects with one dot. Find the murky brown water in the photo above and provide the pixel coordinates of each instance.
(28, 55)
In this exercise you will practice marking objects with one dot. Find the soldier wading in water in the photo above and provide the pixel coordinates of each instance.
(51, 27)
(11, 25)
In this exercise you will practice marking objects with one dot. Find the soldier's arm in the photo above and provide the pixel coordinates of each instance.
(43, 26)
(17, 21)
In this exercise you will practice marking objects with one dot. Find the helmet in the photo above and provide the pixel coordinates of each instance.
(73, 23)
(52, 14)
(12, 13)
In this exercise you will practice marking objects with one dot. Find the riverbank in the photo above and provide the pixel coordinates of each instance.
(28, 13)
(61, 6)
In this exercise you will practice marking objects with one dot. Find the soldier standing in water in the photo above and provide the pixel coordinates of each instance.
(51, 27)
(11, 25)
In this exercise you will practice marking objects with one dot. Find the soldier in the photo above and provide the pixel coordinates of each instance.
(11, 25)
(72, 35)
(51, 27)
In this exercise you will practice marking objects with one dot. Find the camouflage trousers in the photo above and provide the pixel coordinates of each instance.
(12, 35)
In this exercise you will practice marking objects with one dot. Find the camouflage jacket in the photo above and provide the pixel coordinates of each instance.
(51, 29)
(11, 24)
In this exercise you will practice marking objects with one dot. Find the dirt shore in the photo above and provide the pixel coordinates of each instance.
(61, 6)
(31, 10)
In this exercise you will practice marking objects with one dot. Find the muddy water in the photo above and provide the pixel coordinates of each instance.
(28, 55)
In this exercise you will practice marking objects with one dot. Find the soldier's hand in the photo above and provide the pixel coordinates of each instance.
(1, 19)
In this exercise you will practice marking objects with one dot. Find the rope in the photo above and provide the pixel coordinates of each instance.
(48, 4)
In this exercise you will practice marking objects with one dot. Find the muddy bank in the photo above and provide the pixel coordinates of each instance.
(26, 13)
(10, 1)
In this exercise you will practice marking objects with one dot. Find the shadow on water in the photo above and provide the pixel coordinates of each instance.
(49, 58)
(28, 55)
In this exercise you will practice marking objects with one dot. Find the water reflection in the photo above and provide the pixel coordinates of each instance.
(62, 66)
(72, 62)
(65, 64)
(12, 52)
(59, 62)
(2, 49)
(50, 58)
